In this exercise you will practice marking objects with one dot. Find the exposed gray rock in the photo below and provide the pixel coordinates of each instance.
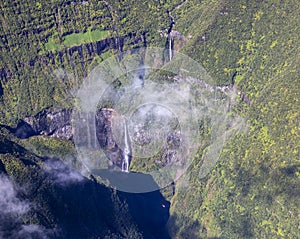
(110, 135)
(177, 35)
(49, 122)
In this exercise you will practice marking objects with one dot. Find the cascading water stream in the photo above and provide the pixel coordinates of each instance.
(126, 152)
(170, 35)
(170, 47)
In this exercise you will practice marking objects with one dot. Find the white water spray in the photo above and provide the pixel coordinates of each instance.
(125, 163)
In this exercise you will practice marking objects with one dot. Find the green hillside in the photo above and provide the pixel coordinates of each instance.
(47, 48)
(254, 190)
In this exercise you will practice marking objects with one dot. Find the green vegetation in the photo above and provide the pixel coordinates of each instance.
(47, 146)
(76, 39)
(55, 201)
(51, 35)
(254, 190)
(53, 44)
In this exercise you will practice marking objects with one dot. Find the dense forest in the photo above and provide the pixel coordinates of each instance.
(48, 48)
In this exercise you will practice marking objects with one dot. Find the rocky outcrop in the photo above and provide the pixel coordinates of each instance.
(49, 122)
(171, 150)
(106, 130)
(110, 134)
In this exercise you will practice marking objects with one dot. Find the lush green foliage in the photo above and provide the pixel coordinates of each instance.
(39, 38)
(47, 146)
(253, 192)
(76, 39)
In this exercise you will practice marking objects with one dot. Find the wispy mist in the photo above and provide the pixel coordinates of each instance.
(62, 173)
(12, 212)
(9, 203)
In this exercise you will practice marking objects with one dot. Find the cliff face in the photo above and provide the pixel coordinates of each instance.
(49, 122)
(59, 202)
(109, 124)
(52, 122)
(58, 198)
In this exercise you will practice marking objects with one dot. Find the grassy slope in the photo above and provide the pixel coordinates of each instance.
(76, 39)
(254, 190)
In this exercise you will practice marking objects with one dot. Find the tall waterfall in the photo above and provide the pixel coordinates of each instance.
(170, 47)
(126, 152)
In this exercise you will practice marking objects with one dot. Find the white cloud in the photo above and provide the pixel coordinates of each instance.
(12, 209)
(9, 203)
(61, 173)
(32, 231)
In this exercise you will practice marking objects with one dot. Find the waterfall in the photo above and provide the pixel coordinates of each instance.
(90, 127)
(170, 35)
(125, 163)
(170, 47)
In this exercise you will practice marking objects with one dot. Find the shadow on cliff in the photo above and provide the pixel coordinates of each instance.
(146, 204)
(88, 209)
(81, 208)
